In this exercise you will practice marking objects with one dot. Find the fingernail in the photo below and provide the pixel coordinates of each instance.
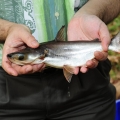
(28, 69)
(13, 74)
(34, 43)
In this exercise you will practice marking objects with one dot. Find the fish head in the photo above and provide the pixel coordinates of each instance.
(26, 56)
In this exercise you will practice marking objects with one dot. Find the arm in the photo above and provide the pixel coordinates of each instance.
(106, 10)
(15, 37)
(4, 27)
(90, 23)
(7, 28)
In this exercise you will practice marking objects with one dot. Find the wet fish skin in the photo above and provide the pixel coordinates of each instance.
(74, 53)
(66, 53)
(62, 54)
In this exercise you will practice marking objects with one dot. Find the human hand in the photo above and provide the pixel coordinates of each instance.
(18, 36)
(89, 27)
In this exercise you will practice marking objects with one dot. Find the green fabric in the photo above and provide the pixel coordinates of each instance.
(46, 21)
(44, 17)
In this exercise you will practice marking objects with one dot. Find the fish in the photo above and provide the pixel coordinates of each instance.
(62, 54)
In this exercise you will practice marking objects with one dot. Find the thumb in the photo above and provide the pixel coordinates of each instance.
(104, 37)
(29, 40)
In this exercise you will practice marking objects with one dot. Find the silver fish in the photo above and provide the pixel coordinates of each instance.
(62, 54)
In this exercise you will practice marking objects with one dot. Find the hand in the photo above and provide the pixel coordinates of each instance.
(18, 36)
(89, 27)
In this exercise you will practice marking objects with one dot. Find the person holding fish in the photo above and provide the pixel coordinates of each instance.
(31, 91)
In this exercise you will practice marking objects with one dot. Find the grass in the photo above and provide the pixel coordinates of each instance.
(114, 28)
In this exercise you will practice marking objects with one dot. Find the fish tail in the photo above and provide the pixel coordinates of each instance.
(116, 37)
(115, 43)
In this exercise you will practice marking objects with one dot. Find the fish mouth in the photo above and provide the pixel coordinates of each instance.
(9, 55)
(30, 62)
(24, 59)
(17, 62)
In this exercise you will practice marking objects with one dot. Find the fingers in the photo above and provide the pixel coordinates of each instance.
(76, 70)
(83, 69)
(27, 69)
(18, 36)
(29, 40)
(22, 34)
(100, 56)
(94, 28)
(17, 44)
(92, 63)
(89, 65)
(8, 68)
(104, 36)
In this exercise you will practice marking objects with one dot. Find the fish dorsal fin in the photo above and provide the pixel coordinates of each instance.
(60, 35)
(68, 72)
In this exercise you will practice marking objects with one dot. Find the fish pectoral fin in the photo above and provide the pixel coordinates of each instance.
(70, 69)
(67, 75)
(68, 72)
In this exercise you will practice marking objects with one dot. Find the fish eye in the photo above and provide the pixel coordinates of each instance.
(21, 57)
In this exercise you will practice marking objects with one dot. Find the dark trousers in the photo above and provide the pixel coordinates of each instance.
(48, 96)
